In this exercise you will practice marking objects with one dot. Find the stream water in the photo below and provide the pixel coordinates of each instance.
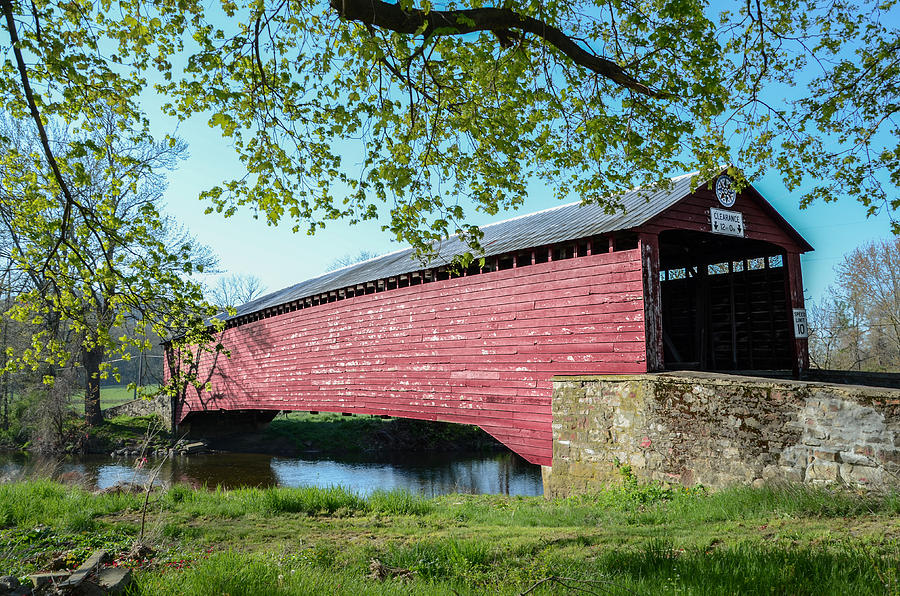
(427, 474)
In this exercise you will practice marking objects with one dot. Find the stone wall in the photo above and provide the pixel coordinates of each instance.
(159, 404)
(718, 430)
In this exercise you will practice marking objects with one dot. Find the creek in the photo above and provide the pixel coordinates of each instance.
(429, 474)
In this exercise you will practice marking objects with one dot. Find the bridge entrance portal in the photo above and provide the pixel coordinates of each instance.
(724, 303)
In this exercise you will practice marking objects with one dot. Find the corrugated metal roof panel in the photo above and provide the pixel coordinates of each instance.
(557, 224)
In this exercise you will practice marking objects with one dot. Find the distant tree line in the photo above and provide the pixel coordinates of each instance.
(856, 324)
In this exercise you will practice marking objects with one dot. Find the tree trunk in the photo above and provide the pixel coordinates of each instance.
(4, 415)
(92, 359)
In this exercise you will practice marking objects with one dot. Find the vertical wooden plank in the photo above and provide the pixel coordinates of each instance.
(649, 247)
(732, 315)
(794, 288)
(701, 317)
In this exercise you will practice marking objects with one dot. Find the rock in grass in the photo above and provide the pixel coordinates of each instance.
(9, 583)
(114, 580)
(381, 572)
(42, 580)
(87, 568)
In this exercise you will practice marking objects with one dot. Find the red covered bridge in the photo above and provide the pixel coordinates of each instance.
(688, 277)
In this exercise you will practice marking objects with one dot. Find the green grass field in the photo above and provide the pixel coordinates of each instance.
(627, 540)
(115, 395)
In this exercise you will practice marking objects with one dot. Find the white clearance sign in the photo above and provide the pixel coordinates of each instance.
(730, 223)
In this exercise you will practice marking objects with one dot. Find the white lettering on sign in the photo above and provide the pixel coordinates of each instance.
(730, 223)
(801, 329)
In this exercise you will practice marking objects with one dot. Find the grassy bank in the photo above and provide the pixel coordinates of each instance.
(32, 426)
(136, 432)
(635, 539)
(288, 434)
(77, 437)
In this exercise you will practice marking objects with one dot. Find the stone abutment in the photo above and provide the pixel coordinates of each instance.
(719, 430)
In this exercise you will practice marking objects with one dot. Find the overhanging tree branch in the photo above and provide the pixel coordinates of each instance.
(6, 6)
(496, 20)
(69, 201)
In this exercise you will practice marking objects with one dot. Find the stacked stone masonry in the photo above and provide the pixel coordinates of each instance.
(719, 430)
(158, 404)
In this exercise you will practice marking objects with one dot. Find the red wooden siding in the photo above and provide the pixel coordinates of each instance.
(474, 350)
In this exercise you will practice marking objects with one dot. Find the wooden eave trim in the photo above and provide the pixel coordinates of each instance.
(749, 192)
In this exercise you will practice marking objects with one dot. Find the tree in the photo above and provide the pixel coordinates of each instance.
(13, 335)
(837, 333)
(351, 259)
(588, 97)
(235, 289)
(857, 325)
(109, 283)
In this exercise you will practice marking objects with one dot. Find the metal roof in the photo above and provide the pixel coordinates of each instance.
(558, 224)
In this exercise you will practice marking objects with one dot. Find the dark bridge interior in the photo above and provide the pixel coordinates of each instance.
(724, 303)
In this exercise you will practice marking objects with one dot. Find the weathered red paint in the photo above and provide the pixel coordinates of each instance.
(474, 350)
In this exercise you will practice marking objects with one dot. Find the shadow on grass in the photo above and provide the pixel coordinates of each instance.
(131, 426)
(755, 569)
(476, 567)
(658, 567)
(128, 430)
